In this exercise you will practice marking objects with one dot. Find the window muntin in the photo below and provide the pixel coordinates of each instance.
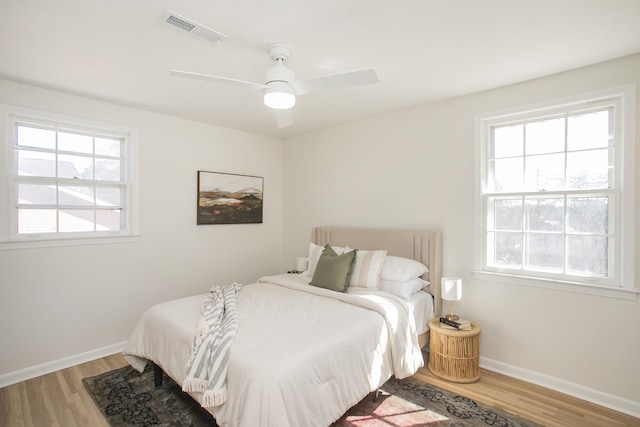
(551, 193)
(69, 181)
(562, 234)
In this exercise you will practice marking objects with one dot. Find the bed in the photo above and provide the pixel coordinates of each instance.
(303, 355)
(424, 246)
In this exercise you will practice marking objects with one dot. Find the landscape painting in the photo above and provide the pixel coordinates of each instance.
(225, 198)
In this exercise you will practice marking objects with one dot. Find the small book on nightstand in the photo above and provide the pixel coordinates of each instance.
(460, 324)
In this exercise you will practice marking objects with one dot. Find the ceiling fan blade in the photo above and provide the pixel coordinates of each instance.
(225, 80)
(336, 81)
(284, 118)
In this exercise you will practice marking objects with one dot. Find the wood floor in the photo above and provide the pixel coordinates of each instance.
(535, 403)
(59, 399)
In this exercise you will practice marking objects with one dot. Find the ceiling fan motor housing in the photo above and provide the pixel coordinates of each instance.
(279, 73)
(279, 52)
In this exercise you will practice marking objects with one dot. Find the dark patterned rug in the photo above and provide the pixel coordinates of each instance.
(128, 398)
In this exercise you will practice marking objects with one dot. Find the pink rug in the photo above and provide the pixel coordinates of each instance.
(388, 411)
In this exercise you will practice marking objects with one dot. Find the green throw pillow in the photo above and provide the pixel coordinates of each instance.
(334, 271)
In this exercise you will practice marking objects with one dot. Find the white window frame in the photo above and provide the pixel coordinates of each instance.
(620, 284)
(9, 236)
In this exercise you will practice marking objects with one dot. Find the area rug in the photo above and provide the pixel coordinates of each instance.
(128, 398)
(410, 402)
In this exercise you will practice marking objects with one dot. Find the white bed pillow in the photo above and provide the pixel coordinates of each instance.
(401, 269)
(314, 255)
(403, 289)
(367, 269)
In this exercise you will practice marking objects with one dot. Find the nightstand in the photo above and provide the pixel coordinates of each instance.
(454, 355)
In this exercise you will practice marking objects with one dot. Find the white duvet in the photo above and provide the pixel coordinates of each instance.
(302, 355)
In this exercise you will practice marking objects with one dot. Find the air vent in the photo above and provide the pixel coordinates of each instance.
(191, 27)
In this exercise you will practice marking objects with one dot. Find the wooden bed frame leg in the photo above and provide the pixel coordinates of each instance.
(157, 375)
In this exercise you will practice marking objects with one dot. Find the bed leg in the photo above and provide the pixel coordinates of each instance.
(376, 395)
(157, 375)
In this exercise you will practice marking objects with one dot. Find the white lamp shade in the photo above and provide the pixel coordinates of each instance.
(451, 288)
(279, 96)
(302, 263)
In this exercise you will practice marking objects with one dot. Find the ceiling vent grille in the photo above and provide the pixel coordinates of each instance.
(191, 27)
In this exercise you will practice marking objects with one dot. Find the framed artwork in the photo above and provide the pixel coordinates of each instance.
(225, 198)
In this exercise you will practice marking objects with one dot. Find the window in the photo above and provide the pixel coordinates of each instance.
(555, 192)
(69, 179)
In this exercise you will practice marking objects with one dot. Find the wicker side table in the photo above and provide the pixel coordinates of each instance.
(454, 355)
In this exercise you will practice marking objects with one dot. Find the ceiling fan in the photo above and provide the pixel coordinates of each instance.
(280, 86)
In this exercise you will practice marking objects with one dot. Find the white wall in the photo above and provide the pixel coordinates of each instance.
(63, 301)
(416, 169)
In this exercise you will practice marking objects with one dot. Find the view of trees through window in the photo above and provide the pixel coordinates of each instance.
(549, 194)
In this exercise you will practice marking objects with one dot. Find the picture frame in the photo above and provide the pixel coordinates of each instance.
(226, 198)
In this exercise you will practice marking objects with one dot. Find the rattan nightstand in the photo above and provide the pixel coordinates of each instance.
(454, 355)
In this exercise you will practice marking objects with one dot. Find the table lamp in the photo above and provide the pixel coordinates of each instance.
(451, 291)
(302, 263)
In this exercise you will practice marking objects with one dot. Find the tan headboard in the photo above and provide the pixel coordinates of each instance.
(422, 245)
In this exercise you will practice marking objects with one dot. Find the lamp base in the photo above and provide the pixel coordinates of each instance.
(452, 317)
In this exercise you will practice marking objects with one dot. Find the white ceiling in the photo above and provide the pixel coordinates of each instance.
(422, 50)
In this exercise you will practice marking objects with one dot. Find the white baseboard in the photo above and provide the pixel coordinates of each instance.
(56, 365)
(594, 396)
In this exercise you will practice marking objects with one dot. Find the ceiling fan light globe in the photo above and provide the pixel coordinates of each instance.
(279, 99)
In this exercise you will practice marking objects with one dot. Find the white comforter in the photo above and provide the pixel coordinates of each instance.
(302, 356)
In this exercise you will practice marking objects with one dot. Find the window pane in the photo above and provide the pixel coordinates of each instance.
(508, 141)
(544, 214)
(108, 147)
(76, 220)
(545, 136)
(36, 221)
(544, 252)
(108, 170)
(505, 175)
(33, 163)
(67, 178)
(75, 142)
(108, 220)
(588, 215)
(75, 196)
(108, 196)
(545, 172)
(508, 214)
(508, 251)
(75, 167)
(587, 255)
(30, 194)
(589, 131)
(34, 137)
(589, 169)
(552, 193)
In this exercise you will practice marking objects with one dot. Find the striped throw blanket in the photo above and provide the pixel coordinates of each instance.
(207, 367)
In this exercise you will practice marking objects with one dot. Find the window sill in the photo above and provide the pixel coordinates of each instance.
(32, 244)
(581, 288)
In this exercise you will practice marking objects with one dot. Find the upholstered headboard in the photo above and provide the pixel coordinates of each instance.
(422, 245)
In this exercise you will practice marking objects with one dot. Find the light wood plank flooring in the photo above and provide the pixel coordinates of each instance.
(59, 399)
(535, 403)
